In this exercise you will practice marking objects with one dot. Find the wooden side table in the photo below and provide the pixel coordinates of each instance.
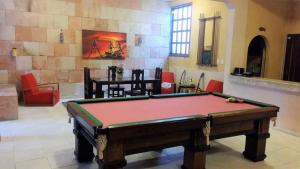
(187, 87)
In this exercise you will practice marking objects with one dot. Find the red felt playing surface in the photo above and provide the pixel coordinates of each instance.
(153, 109)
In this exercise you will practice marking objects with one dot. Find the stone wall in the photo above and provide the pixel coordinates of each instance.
(34, 26)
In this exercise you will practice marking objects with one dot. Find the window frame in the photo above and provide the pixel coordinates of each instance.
(188, 30)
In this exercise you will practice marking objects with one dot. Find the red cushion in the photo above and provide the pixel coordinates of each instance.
(28, 81)
(167, 77)
(167, 91)
(43, 97)
(33, 95)
(215, 86)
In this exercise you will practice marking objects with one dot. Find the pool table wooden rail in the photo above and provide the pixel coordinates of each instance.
(250, 114)
(253, 123)
(131, 138)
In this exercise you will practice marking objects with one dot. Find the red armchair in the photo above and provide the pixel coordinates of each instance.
(168, 83)
(39, 94)
(215, 86)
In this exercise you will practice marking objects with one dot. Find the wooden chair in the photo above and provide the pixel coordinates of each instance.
(158, 75)
(137, 86)
(198, 88)
(114, 90)
(88, 84)
(39, 94)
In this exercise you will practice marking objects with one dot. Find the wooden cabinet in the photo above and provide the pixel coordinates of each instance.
(292, 58)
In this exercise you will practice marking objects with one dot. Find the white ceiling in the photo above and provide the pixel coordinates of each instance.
(167, 0)
(261, 0)
(290, 0)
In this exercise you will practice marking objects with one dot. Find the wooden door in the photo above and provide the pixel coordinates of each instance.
(292, 58)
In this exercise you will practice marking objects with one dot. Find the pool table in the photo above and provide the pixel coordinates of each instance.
(122, 126)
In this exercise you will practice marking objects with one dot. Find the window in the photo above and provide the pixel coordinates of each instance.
(181, 30)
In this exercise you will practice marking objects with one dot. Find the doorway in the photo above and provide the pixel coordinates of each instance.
(292, 58)
(256, 56)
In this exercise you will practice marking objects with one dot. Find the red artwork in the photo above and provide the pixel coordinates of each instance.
(104, 45)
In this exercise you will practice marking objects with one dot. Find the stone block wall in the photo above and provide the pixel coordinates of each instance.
(34, 26)
(8, 102)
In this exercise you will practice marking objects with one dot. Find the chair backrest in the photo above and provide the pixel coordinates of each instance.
(158, 73)
(28, 81)
(182, 77)
(201, 78)
(88, 85)
(215, 86)
(168, 77)
(137, 78)
(111, 73)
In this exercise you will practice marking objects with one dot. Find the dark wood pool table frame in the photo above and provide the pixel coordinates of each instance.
(190, 132)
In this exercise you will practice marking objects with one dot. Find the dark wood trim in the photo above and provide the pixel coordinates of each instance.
(99, 100)
(250, 114)
(185, 132)
(129, 130)
(101, 82)
(245, 100)
(83, 146)
(210, 18)
(131, 138)
(292, 58)
(256, 142)
(179, 95)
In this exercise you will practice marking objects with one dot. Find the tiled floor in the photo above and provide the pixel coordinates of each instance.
(42, 139)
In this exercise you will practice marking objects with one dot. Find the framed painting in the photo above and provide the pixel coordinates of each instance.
(104, 45)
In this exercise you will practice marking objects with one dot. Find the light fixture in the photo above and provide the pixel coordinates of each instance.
(14, 52)
(61, 36)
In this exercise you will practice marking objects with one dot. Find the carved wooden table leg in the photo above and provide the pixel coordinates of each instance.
(256, 143)
(195, 152)
(83, 148)
(110, 155)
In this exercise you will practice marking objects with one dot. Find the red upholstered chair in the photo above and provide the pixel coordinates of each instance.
(215, 86)
(168, 83)
(38, 94)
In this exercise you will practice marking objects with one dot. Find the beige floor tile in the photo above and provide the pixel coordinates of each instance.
(61, 158)
(21, 156)
(42, 139)
(282, 157)
(6, 146)
(81, 166)
(7, 166)
(27, 143)
(41, 163)
(6, 160)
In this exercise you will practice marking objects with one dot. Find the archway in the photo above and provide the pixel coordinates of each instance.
(256, 56)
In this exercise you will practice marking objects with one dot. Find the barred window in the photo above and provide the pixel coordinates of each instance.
(181, 30)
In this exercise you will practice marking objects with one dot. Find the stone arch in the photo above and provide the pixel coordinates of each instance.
(256, 57)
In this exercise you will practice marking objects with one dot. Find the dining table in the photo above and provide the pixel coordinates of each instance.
(100, 82)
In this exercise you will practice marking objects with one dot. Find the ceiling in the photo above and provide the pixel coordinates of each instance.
(165, 0)
(261, 0)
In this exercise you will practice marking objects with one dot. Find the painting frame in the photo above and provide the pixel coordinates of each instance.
(104, 45)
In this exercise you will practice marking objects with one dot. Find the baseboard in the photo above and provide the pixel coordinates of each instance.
(287, 131)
